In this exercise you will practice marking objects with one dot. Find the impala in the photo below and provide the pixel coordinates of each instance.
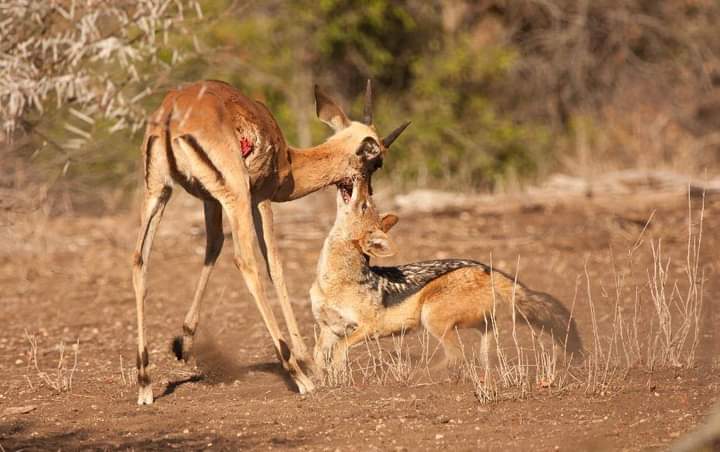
(228, 150)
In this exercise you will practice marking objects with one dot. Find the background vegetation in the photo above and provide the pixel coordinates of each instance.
(501, 93)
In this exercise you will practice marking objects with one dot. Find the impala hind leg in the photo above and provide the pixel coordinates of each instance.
(213, 245)
(263, 219)
(245, 243)
(153, 207)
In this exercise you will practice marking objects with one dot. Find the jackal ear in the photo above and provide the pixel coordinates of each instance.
(377, 244)
(329, 112)
(388, 221)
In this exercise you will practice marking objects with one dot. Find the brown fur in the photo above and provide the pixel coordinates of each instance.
(194, 139)
(348, 303)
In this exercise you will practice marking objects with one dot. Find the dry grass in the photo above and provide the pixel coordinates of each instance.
(675, 343)
(128, 375)
(380, 365)
(59, 379)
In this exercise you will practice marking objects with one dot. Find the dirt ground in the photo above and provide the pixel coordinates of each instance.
(67, 280)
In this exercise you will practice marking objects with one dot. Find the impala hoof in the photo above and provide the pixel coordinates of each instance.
(304, 384)
(145, 395)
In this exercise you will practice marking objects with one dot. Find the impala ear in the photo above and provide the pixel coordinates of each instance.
(329, 112)
(388, 221)
(377, 244)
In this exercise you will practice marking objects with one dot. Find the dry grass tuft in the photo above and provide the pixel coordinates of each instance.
(61, 378)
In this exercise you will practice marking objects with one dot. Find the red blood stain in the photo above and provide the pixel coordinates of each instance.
(246, 146)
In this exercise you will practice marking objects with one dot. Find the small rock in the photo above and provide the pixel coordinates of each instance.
(19, 410)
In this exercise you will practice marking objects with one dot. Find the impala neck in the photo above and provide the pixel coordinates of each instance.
(311, 169)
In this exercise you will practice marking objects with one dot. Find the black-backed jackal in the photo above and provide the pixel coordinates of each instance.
(352, 300)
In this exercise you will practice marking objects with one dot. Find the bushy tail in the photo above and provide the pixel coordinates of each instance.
(544, 311)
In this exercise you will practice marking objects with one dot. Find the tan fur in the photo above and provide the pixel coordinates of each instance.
(194, 140)
(349, 309)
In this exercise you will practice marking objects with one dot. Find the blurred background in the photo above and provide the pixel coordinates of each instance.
(502, 94)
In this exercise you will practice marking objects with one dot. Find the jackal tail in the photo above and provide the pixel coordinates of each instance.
(544, 311)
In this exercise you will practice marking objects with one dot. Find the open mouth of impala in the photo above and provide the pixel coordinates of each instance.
(345, 187)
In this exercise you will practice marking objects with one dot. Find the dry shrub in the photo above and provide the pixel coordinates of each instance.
(76, 80)
(86, 55)
(626, 83)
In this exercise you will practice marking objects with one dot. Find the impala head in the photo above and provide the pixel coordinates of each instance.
(358, 220)
(359, 141)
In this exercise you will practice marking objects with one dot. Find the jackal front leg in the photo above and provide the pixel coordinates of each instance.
(323, 347)
(340, 351)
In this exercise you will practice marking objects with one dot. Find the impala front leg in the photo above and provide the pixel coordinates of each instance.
(264, 227)
(231, 187)
(245, 244)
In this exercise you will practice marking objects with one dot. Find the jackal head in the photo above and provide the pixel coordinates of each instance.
(358, 221)
(358, 140)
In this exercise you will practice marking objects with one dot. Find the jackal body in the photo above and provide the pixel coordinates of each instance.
(353, 300)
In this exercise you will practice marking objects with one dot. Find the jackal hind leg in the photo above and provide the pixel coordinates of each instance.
(449, 338)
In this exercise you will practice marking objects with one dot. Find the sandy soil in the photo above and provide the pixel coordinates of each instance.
(67, 280)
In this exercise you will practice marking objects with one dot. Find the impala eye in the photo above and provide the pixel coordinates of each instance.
(368, 149)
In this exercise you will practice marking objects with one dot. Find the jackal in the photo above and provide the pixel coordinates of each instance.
(352, 300)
